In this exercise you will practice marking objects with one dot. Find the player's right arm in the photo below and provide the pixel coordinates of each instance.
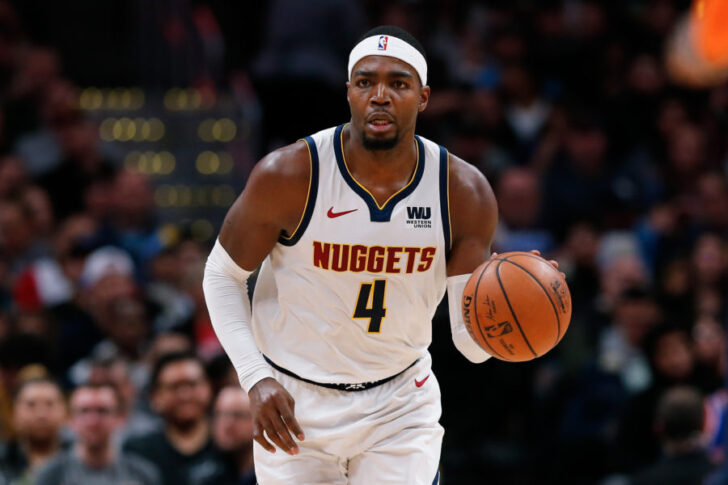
(271, 204)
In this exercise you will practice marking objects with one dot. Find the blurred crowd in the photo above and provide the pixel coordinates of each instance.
(110, 371)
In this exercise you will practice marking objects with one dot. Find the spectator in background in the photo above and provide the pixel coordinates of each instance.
(18, 354)
(687, 156)
(76, 330)
(83, 164)
(36, 68)
(578, 183)
(13, 176)
(96, 414)
(107, 276)
(711, 353)
(519, 202)
(133, 225)
(165, 290)
(526, 111)
(127, 336)
(709, 261)
(303, 50)
(668, 349)
(679, 421)
(18, 235)
(712, 198)
(183, 450)
(233, 433)
(620, 347)
(137, 416)
(38, 416)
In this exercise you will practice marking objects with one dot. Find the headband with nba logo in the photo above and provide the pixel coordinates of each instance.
(390, 46)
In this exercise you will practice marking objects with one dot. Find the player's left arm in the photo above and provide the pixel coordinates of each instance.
(473, 220)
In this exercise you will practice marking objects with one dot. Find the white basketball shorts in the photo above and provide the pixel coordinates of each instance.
(387, 435)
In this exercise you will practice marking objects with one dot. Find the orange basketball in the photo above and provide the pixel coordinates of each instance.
(697, 49)
(516, 306)
(710, 22)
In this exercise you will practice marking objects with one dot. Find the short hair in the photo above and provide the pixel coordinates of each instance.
(34, 381)
(168, 359)
(398, 32)
(95, 386)
(680, 413)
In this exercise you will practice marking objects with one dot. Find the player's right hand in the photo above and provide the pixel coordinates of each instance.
(272, 408)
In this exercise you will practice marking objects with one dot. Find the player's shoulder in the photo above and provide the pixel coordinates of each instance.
(288, 166)
(288, 161)
(467, 183)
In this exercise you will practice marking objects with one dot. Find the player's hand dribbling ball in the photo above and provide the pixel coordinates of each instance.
(516, 306)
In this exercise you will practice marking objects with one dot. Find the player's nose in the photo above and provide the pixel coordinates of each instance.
(380, 95)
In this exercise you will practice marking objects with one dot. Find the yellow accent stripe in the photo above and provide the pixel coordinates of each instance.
(380, 207)
(449, 219)
(308, 193)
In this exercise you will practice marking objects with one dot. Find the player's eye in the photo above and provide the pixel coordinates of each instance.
(399, 84)
(363, 83)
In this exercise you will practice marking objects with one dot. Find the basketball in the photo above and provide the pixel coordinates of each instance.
(516, 306)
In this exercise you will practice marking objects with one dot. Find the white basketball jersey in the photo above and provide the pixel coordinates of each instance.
(350, 295)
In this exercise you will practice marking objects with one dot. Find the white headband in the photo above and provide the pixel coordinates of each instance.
(390, 46)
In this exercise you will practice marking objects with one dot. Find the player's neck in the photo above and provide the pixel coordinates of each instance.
(396, 161)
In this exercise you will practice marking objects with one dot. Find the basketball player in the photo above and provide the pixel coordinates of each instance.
(360, 229)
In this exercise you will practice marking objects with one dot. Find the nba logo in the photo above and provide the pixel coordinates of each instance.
(382, 46)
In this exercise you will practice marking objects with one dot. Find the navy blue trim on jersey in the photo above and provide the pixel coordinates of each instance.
(377, 213)
(310, 201)
(445, 199)
(436, 481)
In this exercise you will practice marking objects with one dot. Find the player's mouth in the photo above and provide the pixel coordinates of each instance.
(379, 122)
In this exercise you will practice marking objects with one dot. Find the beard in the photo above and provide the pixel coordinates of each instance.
(375, 144)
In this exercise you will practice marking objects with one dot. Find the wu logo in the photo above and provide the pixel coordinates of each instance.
(419, 217)
(418, 212)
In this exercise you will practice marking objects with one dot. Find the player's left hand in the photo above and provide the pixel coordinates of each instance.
(536, 252)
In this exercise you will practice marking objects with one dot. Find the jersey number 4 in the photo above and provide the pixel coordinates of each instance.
(370, 304)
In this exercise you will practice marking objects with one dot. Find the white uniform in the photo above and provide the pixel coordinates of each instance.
(348, 298)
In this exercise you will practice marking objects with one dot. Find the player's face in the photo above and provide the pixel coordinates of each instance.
(385, 96)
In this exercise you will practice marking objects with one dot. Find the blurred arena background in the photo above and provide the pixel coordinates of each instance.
(127, 128)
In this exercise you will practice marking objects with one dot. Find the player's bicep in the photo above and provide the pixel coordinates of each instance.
(474, 214)
(249, 232)
(271, 202)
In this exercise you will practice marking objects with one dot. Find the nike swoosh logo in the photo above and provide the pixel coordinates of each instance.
(421, 383)
(333, 214)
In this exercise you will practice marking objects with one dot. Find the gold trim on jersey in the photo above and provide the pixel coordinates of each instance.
(412, 178)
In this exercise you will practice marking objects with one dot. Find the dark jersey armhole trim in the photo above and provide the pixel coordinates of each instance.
(310, 200)
(445, 199)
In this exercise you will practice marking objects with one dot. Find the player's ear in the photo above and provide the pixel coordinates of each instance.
(424, 98)
(348, 87)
